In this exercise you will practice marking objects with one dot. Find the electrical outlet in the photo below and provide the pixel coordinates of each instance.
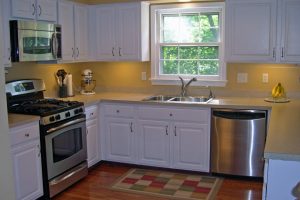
(144, 76)
(242, 77)
(265, 77)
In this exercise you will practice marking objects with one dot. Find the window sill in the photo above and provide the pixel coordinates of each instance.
(212, 83)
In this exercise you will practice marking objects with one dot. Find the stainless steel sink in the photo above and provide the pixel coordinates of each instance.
(162, 98)
(191, 99)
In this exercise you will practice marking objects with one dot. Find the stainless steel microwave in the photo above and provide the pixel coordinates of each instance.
(34, 41)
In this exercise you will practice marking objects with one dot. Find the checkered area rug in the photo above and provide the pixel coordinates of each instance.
(168, 184)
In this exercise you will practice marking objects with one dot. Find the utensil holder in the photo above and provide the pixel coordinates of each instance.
(63, 91)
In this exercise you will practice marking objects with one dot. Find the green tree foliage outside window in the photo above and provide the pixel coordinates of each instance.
(189, 44)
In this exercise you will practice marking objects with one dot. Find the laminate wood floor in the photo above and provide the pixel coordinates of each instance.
(96, 186)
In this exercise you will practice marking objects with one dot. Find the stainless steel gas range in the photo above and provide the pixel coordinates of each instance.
(62, 133)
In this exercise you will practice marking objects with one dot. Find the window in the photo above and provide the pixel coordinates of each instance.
(187, 41)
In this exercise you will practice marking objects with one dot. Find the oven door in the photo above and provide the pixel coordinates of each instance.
(65, 146)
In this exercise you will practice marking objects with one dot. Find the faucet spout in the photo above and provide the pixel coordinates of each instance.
(184, 86)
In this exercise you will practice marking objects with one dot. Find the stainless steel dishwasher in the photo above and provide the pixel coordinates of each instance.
(238, 141)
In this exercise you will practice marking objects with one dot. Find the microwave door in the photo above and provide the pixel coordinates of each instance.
(35, 45)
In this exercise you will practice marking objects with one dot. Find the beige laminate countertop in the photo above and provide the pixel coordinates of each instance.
(18, 120)
(283, 137)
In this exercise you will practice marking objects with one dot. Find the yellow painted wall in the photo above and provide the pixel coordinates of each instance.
(126, 77)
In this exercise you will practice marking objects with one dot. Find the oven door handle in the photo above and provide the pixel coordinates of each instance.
(65, 125)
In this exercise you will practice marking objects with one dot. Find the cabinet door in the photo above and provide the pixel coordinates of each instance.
(81, 32)
(65, 18)
(251, 30)
(119, 140)
(290, 40)
(28, 171)
(191, 146)
(128, 29)
(46, 10)
(283, 179)
(23, 9)
(4, 12)
(105, 29)
(154, 143)
(92, 142)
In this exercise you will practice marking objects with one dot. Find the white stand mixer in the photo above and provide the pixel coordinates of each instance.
(87, 83)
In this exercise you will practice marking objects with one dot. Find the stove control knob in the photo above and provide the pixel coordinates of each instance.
(76, 111)
(57, 117)
(80, 110)
(52, 119)
(68, 114)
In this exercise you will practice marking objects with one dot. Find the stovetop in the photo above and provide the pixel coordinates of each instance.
(42, 107)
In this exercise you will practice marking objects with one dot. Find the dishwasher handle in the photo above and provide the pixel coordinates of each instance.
(240, 114)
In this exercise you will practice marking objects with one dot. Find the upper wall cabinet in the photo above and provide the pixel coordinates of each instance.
(263, 31)
(74, 20)
(121, 31)
(44, 10)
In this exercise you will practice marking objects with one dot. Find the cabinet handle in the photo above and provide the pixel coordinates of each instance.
(167, 130)
(131, 128)
(39, 148)
(73, 52)
(120, 51)
(9, 53)
(87, 131)
(77, 52)
(282, 52)
(40, 13)
(113, 51)
(33, 6)
(175, 131)
(274, 52)
(26, 134)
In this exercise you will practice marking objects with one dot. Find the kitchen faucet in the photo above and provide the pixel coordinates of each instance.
(184, 86)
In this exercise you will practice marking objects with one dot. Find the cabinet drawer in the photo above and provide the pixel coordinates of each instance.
(24, 133)
(118, 110)
(171, 113)
(155, 113)
(192, 115)
(91, 112)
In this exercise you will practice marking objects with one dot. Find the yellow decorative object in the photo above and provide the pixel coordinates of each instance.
(278, 91)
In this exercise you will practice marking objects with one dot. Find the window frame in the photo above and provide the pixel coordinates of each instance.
(209, 80)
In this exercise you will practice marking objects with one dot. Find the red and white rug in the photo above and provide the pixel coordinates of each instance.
(168, 184)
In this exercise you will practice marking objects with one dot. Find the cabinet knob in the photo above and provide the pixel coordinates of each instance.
(26, 134)
(91, 114)
(171, 114)
(118, 111)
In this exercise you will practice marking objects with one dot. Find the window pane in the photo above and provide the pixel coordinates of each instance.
(188, 67)
(209, 52)
(189, 27)
(188, 52)
(208, 67)
(169, 67)
(170, 28)
(209, 23)
(169, 52)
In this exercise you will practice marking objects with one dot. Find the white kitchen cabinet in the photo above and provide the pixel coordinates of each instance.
(25, 148)
(119, 127)
(250, 30)
(122, 31)
(191, 146)
(154, 143)
(93, 136)
(44, 10)
(174, 137)
(290, 26)
(262, 31)
(74, 20)
(281, 179)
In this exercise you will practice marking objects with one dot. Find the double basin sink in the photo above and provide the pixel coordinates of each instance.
(162, 98)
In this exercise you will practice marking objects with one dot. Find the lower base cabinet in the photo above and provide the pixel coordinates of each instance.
(93, 136)
(281, 180)
(26, 158)
(160, 136)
